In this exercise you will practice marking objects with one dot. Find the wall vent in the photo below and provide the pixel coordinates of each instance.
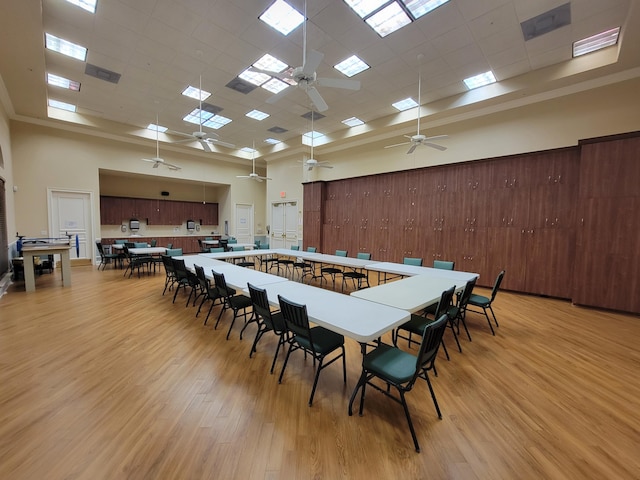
(547, 22)
(102, 73)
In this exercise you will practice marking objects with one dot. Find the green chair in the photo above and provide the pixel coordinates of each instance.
(332, 271)
(286, 263)
(318, 342)
(120, 242)
(418, 323)
(105, 258)
(267, 320)
(304, 267)
(169, 245)
(231, 300)
(207, 291)
(417, 262)
(400, 369)
(140, 244)
(216, 250)
(170, 273)
(485, 302)
(153, 242)
(357, 274)
(444, 265)
(174, 252)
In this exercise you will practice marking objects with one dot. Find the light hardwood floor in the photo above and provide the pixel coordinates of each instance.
(108, 379)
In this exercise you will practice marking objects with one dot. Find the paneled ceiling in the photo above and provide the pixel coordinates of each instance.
(161, 46)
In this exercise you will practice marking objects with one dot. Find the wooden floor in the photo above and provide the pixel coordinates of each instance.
(108, 379)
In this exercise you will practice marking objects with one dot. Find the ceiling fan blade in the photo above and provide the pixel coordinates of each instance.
(173, 167)
(338, 83)
(324, 166)
(314, 58)
(205, 146)
(317, 99)
(412, 148)
(243, 176)
(181, 134)
(221, 143)
(397, 144)
(435, 145)
(155, 165)
(280, 75)
(274, 98)
(436, 137)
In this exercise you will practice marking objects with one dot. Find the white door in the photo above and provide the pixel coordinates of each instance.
(284, 225)
(70, 214)
(244, 223)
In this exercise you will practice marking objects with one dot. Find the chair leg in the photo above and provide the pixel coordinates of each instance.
(281, 341)
(444, 347)
(455, 335)
(406, 412)
(433, 394)
(284, 365)
(259, 333)
(363, 384)
(315, 380)
(464, 324)
(495, 320)
(224, 307)
(489, 321)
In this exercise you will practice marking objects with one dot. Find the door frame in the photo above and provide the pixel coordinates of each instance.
(90, 235)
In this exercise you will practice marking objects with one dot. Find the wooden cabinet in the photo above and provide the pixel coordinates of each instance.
(118, 210)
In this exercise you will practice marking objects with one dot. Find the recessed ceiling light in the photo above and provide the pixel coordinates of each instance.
(480, 80)
(596, 42)
(351, 66)
(57, 81)
(216, 122)
(365, 7)
(197, 115)
(419, 8)
(405, 104)
(388, 20)
(272, 141)
(88, 5)
(270, 63)
(157, 128)
(255, 78)
(194, 92)
(62, 105)
(65, 47)
(274, 85)
(312, 135)
(282, 16)
(248, 150)
(257, 115)
(353, 122)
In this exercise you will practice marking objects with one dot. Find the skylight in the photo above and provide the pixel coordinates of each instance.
(274, 85)
(216, 122)
(88, 5)
(248, 150)
(255, 78)
(65, 47)
(270, 63)
(351, 66)
(196, 93)
(282, 16)
(312, 135)
(272, 141)
(388, 20)
(57, 81)
(157, 128)
(353, 122)
(596, 42)
(62, 105)
(387, 16)
(405, 104)
(480, 80)
(257, 115)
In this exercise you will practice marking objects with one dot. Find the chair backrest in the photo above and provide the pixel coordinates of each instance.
(130, 245)
(221, 284)
(237, 248)
(120, 242)
(260, 301)
(264, 246)
(202, 278)
(431, 340)
(208, 238)
(169, 245)
(496, 286)
(295, 247)
(168, 265)
(444, 264)
(153, 242)
(232, 240)
(100, 248)
(200, 243)
(140, 245)
(363, 256)
(180, 269)
(174, 252)
(341, 253)
(445, 302)
(466, 294)
(216, 249)
(312, 249)
(412, 261)
(296, 318)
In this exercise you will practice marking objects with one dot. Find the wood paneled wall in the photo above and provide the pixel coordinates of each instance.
(516, 213)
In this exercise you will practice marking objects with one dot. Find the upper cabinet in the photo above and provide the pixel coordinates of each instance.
(116, 210)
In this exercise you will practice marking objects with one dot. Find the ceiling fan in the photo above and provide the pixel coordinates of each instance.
(418, 138)
(204, 138)
(253, 175)
(311, 162)
(157, 161)
(305, 78)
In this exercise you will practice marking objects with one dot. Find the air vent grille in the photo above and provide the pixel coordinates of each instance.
(547, 22)
(102, 73)
(240, 85)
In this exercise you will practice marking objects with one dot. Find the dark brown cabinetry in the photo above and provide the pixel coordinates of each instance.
(116, 210)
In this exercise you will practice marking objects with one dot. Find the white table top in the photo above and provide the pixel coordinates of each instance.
(352, 317)
(411, 294)
(241, 254)
(410, 270)
(325, 258)
(148, 250)
(238, 277)
(201, 260)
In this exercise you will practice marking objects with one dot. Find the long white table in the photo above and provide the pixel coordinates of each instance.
(28, 252)
(148, 251)
(411, 270)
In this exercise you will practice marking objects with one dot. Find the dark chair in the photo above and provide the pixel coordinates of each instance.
(444, 264)
(418, 323)
(105, 258)
(305, 268)
(183, 280)
(484, 303)
(174, 252)
(332, 271)
(267, 260)
(242, 261)
(170, 273)
(267, 320)
(231, 300)
(286, 263)
(153, 242)
(208, 292)
(169, 246)
(412, 261)
(357, 274)
(317, 341)
(135, 262)
(400, 369)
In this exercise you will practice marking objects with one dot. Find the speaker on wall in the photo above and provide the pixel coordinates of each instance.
(164, 194)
